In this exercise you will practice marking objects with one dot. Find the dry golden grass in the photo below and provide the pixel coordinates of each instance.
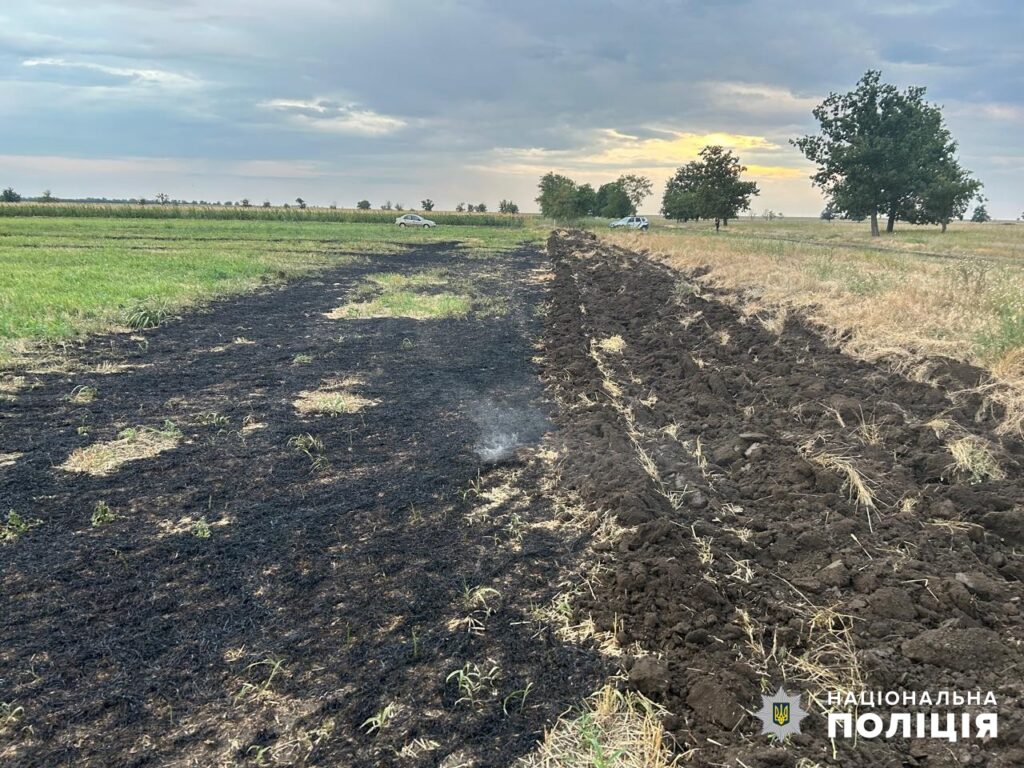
(614, 729)
(131, 445)
(333, 397)
(10, 386)
(898, 303)
(612, 344)
(973, 459)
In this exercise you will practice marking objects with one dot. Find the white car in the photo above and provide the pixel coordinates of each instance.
(631, 222)
(412, 220)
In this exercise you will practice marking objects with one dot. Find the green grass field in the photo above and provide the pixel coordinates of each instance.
(61, 278)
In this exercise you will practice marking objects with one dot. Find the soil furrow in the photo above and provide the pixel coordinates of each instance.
(833, 526)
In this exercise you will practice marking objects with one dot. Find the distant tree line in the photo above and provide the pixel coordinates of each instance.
(8, 195)
(562, 198)
(879, 152)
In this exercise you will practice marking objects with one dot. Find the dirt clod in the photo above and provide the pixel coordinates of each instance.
(956, 648)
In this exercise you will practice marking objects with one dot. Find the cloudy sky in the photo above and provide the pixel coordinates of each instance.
(469, 100)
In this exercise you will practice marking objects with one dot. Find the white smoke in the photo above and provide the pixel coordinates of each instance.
(503, 429)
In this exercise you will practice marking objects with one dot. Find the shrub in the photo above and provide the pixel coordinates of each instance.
(146, 314)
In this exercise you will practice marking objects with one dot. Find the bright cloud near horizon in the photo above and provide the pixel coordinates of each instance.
(466, 100)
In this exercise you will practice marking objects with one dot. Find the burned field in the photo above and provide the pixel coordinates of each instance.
(264, 534)
(792, 516)
(413, 509)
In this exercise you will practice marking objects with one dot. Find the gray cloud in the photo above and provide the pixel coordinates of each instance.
(399, 99)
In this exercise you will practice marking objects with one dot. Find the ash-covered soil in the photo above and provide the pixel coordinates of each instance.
(793, 516)
(339, 582)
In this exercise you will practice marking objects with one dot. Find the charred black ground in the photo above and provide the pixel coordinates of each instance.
(323, 593)
(748, 559)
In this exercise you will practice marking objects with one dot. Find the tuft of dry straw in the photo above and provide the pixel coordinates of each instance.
(333, 397)
(623, 729)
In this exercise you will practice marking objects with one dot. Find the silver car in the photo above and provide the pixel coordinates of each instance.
(412, 220)
(631, 222)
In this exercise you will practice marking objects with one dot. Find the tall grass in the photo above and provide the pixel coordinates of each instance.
(180, 211)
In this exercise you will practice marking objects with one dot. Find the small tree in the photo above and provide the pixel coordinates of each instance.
(481, 207)
(613, 202)
(680, 204)
(945, 197)
(470, 208)
(387, 206)
(980, 214)
(709, 188)
(427, 205)
(363, 205)
(829, 213)
(557, 198)
(460, 207)
(246, 203)
(507, 206)
(47, 197)
(399, 207)
(301, 203)
(584, 202)
(266, 203)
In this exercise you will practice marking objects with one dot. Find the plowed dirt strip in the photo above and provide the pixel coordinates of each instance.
(316, 568)
(796, 517)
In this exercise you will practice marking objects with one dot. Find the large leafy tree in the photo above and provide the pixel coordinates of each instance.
(708, 188)
(882, 151)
